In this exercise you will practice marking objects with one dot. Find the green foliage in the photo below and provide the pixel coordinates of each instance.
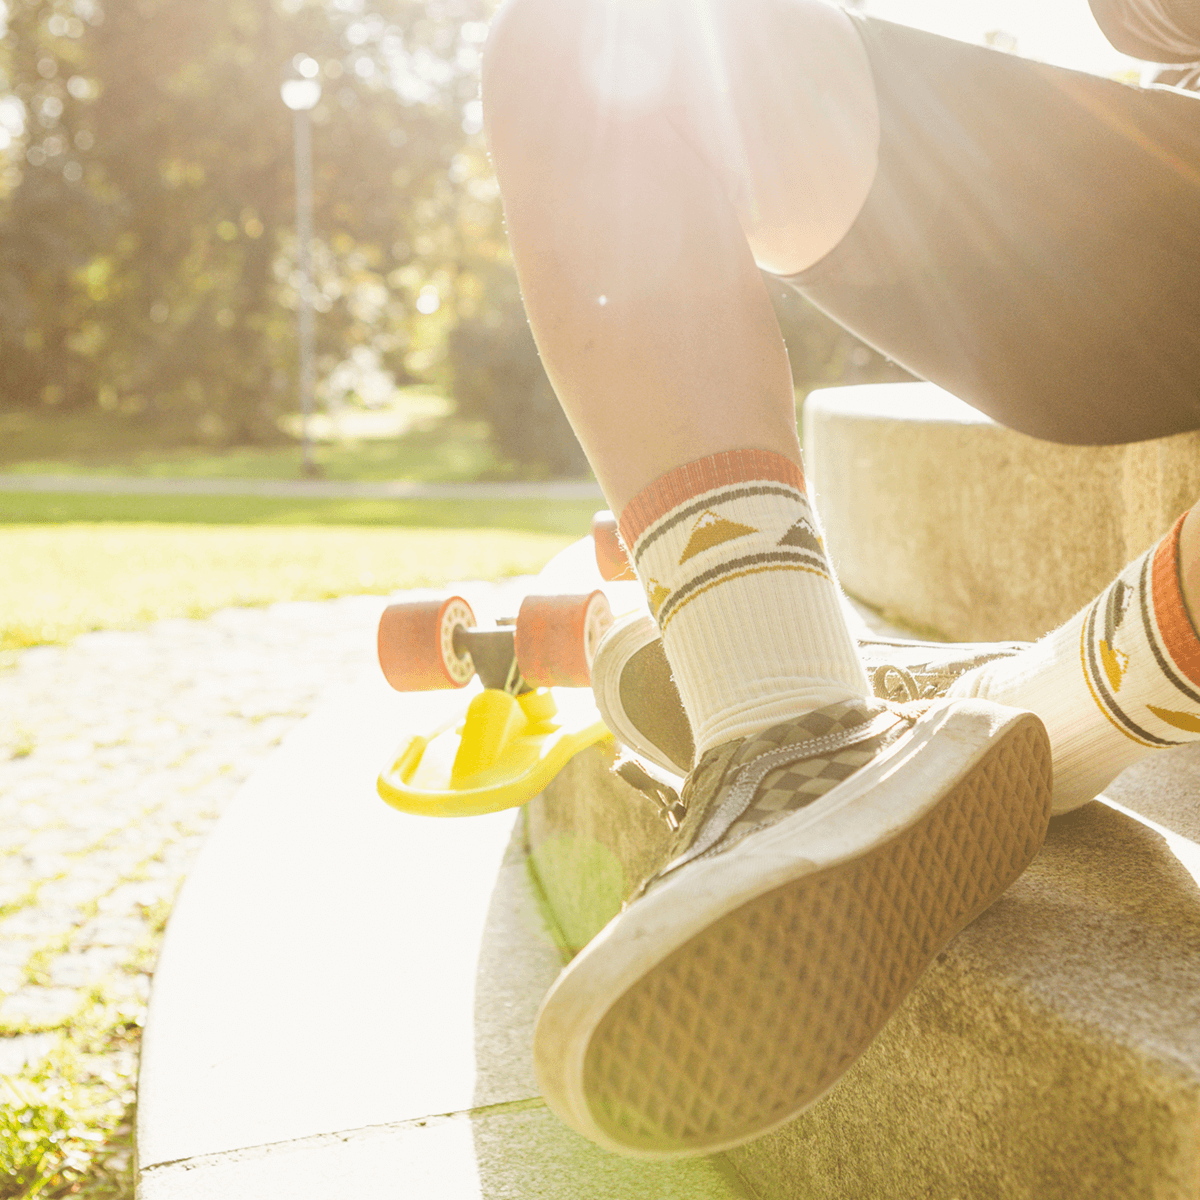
(51, 1138)
(146, 240)
(496, 374)
(822, 353)
(147, 245)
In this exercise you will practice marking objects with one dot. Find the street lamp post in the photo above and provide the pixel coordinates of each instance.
(301, 95)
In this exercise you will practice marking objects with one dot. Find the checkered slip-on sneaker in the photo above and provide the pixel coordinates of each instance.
(817, 870)
(640, 704)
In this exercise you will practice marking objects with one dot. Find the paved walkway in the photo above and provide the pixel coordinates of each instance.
(117, 755)
(118, 485)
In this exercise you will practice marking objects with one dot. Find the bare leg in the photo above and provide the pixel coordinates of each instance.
(648, 154)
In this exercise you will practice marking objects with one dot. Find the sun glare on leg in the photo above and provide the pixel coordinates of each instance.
(628, 56)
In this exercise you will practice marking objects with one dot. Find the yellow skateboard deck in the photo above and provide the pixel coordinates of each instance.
(500, 755)
(513, 735)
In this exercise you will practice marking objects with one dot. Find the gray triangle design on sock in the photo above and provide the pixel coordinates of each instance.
(803, 535)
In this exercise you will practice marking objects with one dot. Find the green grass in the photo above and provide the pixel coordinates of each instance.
(66, 1124)
(73, 578)
(431, 445)
(454, 452)
(67, 1129)
(76, 563)
(90, 561)
(566, 517)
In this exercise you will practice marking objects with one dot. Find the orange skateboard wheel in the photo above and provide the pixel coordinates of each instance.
(416, 644)
(610, 553)
(557, 636)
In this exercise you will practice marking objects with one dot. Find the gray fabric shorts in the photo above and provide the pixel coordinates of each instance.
(1031, 241)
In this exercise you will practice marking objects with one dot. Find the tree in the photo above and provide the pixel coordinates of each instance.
(146, 241)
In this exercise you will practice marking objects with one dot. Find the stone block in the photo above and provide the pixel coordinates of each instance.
(1052, 1051)
(592, 839)
(950, 523)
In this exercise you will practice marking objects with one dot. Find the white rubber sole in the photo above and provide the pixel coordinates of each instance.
(737, 991)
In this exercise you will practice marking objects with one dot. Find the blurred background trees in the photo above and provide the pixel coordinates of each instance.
(147, 245)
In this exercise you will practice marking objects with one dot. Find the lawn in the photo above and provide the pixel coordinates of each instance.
(78, 563)
(569, 518)
(418, 437)
(74, 563)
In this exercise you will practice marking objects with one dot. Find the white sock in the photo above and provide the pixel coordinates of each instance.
(732, 561)
(1121, 678)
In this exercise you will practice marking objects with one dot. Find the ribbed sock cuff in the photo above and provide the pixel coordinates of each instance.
(731, 558)
(1170, 612)
(693, 479)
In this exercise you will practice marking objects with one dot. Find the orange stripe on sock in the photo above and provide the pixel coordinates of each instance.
(693, 479)
(1170, 612)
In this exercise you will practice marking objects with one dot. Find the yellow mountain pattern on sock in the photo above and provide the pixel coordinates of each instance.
(658, 594)
(1116, 663)
(711, 530)
(1180, 720)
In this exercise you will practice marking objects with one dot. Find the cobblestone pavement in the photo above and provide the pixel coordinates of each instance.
(117, 755)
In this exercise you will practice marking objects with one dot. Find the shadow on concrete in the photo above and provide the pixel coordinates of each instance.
(521, 1148)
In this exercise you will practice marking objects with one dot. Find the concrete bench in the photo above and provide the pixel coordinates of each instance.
(954, 525)
(1052, 1052)
(345, 1001)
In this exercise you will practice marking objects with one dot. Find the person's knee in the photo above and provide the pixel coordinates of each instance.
(519, 49)
(797, 133)
(575, 94)
(512, 72)
(552, 64)
(776, 95)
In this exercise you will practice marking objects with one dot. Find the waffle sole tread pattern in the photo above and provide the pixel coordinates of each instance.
(753, 1019)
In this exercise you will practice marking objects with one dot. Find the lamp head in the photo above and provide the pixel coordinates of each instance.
(300, 94)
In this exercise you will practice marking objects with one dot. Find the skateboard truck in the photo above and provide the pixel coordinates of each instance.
(517, 733)
(494, 653)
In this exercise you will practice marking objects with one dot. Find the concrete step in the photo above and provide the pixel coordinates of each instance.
(1052, 1051)
(345, 998)
(953, 524)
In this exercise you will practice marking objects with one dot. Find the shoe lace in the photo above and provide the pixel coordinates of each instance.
(895, 683)
(670, 807)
